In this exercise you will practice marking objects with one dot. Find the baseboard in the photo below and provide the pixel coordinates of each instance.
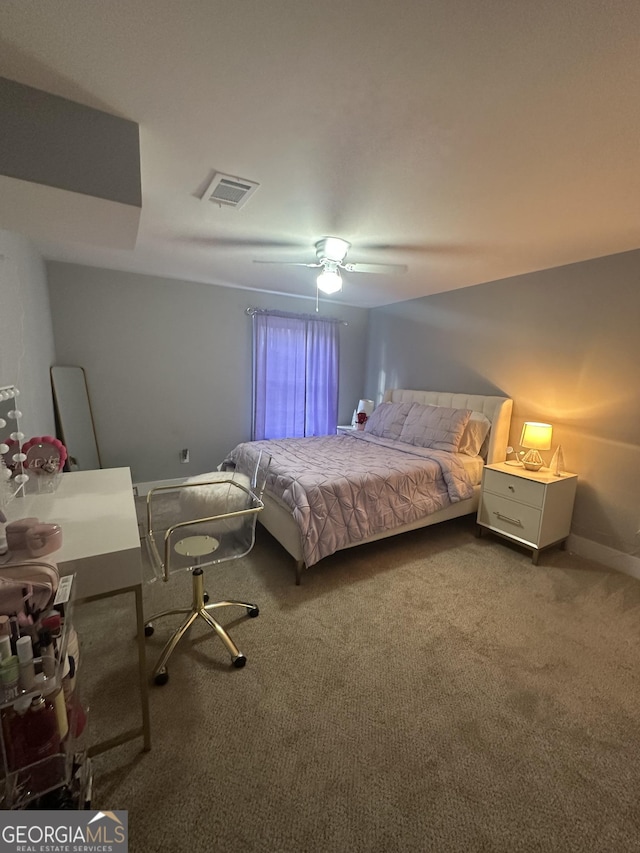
(141, 490)
(626, 563)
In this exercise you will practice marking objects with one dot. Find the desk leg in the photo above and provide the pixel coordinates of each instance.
(142, 670)
(143, 731)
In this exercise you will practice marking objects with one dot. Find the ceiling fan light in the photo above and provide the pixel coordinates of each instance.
(329, 281)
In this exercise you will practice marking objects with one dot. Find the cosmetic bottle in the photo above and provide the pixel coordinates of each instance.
(73, 657)
(62, 715)
(5, 647)
(67, 675)
(14, 731)
(43, 736)
(24, 650)
(54, 695)
(9, 678)
(14, 631)
(47, 653)
(76, 715)
(52, 622)
(5, 627)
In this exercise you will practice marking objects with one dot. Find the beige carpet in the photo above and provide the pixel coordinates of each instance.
(433, 692)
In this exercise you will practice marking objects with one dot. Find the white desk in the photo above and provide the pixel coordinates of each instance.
(101, 545)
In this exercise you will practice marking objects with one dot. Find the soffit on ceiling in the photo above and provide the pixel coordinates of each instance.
(469, 141)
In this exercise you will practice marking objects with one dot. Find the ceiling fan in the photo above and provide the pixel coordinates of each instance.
(331, 253)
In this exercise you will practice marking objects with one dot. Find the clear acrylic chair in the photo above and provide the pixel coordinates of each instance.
(203, 522)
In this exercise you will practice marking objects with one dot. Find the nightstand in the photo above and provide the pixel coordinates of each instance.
(343, 430)
(533, 508)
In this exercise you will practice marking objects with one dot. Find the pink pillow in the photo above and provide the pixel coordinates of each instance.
(387, 419)
(438, 427)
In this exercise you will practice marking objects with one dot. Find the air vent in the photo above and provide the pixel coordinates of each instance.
(225, 189)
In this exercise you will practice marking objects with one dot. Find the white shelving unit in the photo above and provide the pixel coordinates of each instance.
(24, 784)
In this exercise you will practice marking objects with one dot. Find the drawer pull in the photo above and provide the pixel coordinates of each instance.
(512, 488)
(502, 517)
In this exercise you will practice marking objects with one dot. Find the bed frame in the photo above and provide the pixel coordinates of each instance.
(277, 518)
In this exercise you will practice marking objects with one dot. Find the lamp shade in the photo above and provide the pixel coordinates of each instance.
(536, 436)
(366, 406)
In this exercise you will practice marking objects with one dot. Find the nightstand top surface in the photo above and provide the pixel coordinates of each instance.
(544, 475)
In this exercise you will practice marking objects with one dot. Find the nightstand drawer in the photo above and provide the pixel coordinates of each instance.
(513, 487)
(517, 520)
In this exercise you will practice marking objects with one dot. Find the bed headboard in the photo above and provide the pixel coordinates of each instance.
(497, 409)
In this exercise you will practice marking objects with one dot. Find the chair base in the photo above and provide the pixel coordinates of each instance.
(199, 609)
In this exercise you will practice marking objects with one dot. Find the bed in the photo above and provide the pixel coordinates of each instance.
(402, 472)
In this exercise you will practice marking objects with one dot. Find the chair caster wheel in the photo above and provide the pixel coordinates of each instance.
(148, 630)
(205, 598)
(161, 678)
(253, 611)
(240, 661)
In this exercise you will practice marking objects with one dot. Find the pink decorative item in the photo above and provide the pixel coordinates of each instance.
(45, 455)
(361, 418)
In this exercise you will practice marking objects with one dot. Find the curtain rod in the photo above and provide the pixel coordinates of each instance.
(252, 311)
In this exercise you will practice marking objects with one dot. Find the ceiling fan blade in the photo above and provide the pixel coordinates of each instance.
(287, 263)
(422, 249)
(213, 242)
(375, 268)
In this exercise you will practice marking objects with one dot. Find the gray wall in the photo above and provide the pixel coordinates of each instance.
(169, 366)
(565, 345)
(26, 334)
(168, 363)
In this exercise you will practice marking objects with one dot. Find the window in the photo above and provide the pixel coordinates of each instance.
(295, 375)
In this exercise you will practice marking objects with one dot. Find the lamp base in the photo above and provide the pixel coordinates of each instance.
(532, 460)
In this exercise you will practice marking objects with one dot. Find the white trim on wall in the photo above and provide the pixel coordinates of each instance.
(628, 564)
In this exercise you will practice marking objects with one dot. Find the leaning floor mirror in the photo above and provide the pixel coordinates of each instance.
(75, 418)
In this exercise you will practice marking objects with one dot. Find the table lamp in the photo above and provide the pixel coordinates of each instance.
(535, 437)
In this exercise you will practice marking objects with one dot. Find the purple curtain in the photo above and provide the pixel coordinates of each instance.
(295, 376)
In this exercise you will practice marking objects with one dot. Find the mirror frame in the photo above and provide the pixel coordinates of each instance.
(80, 412)
(9, 394)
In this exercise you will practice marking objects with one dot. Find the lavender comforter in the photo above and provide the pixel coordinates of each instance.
(344, 488)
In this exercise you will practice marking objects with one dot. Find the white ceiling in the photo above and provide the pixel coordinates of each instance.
(469, 140)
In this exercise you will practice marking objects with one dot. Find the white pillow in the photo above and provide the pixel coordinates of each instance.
(215, 498)
(475, 432)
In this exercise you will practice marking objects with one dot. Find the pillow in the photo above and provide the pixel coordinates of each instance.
(214, 499)
(387, 419)
(438, 427)
(475, 432)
